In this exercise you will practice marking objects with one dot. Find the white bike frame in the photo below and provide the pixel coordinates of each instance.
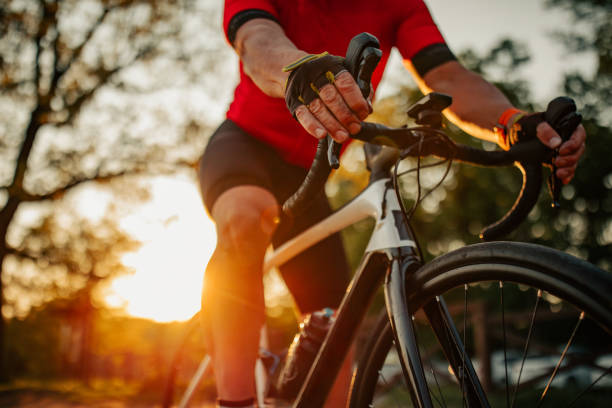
(369, 203)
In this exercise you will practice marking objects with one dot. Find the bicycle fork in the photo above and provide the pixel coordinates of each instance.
(406, 343)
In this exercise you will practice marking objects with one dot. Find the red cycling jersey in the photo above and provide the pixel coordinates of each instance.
(316, 26)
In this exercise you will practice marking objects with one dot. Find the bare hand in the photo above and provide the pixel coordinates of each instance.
(569, 152)
(338, 110)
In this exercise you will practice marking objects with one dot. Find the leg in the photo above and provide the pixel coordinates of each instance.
(338, 395)
(233, 301)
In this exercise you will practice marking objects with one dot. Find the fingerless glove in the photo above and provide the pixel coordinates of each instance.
(308, 75)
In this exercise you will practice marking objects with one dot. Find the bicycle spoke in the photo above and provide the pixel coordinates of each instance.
(590, 386)
(567, 346)
(501, 291)
(433, 372)
(529, 334)
(388, 384)
(441, 402)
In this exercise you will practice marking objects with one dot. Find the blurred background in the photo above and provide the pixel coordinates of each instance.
(105, 108)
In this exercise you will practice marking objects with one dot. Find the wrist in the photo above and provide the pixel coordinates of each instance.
(290, 59)
(505, 122)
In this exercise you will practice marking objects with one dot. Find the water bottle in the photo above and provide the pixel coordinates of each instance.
(302, 352)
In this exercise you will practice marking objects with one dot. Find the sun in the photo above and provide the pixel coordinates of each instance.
(177, 239)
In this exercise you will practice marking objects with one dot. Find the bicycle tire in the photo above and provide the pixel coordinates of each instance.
(581, 285)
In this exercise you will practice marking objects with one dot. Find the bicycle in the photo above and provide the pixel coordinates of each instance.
(439, 368)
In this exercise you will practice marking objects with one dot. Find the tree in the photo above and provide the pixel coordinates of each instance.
(70, 74)
(62, 260)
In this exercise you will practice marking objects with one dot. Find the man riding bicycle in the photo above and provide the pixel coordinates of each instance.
(258, 157)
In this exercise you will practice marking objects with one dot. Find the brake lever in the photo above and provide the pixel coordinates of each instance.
(362, 57)
(561, 115)
(333, 152)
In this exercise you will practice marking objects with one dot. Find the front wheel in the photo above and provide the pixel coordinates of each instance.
(536, 324)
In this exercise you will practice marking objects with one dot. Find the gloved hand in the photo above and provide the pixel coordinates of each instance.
(323, 96)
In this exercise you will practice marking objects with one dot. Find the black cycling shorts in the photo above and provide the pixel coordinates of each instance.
(316, 278)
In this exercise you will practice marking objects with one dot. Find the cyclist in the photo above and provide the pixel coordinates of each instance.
(258, 156)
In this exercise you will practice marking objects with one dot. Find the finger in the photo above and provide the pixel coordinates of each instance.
(336, 105)
(566, 174)
(548, 136)
(350, 92)
(309, 122)
(329, 122)
(575, 142)
(567, 160)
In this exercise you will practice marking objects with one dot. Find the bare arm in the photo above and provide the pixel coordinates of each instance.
(477, 105)
(264, 50)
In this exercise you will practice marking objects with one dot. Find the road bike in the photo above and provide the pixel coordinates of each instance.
(491, 324)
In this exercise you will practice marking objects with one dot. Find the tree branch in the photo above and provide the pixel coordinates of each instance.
(57, 72)
(8, 86)
(48, 17)
(40, 33)
(76, 54)
(104, 75)
(27, 197)
(21, 254)
(50, 261)
(24, 196)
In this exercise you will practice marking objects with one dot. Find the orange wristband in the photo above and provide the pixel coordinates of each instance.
(501, 129)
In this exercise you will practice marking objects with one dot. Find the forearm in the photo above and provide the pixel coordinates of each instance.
(477, 104)
(264, 50)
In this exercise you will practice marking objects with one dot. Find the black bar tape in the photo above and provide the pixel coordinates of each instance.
(432, 56)
(242, 17)
(312, 184)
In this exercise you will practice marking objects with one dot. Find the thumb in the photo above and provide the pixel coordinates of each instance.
(548, 136)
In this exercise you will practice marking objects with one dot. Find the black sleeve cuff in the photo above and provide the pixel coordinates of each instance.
(242, 17)
(432, 56)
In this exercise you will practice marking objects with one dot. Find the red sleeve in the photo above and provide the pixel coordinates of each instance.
(417, 31)
(233, 7)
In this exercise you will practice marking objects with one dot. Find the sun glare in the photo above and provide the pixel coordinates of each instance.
(177, 241)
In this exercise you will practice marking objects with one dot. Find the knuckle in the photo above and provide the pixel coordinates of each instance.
(311, 129)
(361, 106)
(328, 93)
(316, 107)
(544, 130)
(569, 147)
(345, 117)
(345, 81)
(301, 113)
(331, 124)
(576, 156)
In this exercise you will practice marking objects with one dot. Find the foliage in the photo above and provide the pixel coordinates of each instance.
(77, 90)
(62, 255)
(127, 356)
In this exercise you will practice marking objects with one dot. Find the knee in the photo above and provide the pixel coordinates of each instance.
(246, 218)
